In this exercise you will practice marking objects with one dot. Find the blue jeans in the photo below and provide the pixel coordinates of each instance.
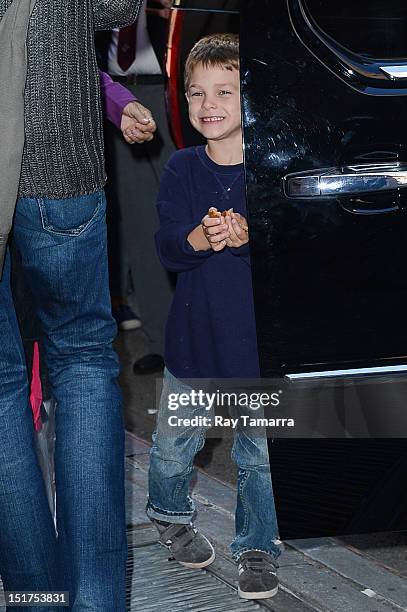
(171, 466)
(62, 246)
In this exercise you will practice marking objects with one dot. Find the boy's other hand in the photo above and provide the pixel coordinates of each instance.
(238, 232)
(216, 232)
(137, 123)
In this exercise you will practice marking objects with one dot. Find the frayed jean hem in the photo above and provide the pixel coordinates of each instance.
(182, 518)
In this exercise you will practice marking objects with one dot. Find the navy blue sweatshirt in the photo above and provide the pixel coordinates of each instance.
(211, 326)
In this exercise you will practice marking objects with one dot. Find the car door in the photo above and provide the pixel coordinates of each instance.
(324, 96)
(325, 127)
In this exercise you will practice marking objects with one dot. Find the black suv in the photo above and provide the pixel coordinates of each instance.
(324, 99)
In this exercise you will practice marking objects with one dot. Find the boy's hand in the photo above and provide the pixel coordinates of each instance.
(137, 123)
(238, 232)
(215, 231)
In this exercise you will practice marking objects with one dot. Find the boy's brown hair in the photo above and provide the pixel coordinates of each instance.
(213, 50)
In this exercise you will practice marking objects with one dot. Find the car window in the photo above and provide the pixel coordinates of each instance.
(187, 27)
(371, 28)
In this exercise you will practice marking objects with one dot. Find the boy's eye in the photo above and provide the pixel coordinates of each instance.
(223, 92)
(196, 93)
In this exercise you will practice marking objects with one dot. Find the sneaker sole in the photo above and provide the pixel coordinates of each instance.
(260, 595)
(199, 565)
(129, 325)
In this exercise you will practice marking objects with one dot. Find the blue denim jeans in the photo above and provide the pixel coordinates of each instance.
(171, 466)
(62, 246)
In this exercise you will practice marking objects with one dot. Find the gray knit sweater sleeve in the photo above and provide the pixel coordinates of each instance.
(63, 153)
(109, 14)
(4, 4)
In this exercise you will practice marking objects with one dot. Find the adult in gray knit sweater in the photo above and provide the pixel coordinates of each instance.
(59, 233)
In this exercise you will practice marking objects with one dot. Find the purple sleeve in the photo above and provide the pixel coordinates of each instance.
(116, 98)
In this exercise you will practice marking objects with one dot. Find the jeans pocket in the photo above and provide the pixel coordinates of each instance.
(70, 216)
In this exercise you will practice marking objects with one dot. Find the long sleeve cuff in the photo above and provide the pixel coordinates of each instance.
(174, 250)
(116, 98)
(241, 251)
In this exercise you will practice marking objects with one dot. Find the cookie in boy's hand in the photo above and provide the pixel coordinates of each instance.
(213, 213)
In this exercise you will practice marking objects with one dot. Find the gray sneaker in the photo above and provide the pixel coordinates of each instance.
(257, 575)
(187, 546)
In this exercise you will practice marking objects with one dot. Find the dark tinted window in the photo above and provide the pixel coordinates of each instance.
(195, 25)
(373, 28)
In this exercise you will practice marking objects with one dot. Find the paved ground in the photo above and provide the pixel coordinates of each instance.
(353, 574)
(141, 395)
(319, 575)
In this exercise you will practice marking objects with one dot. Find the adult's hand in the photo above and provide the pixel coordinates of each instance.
(137, 124)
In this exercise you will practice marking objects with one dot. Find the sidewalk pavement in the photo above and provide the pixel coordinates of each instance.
(316, 575)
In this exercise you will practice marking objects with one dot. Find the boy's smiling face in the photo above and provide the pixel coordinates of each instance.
(214, 101)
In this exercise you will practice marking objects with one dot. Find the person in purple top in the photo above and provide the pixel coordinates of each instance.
(211, 330)
(126, 112)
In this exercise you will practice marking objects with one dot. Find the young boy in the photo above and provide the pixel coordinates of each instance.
(211, 327)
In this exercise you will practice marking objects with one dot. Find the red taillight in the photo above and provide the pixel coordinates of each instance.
(173, 76)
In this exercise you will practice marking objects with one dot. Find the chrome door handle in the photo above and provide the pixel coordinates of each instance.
(398, 71)
(349, 180)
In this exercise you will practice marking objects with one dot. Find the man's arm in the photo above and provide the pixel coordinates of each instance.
(109, 14)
